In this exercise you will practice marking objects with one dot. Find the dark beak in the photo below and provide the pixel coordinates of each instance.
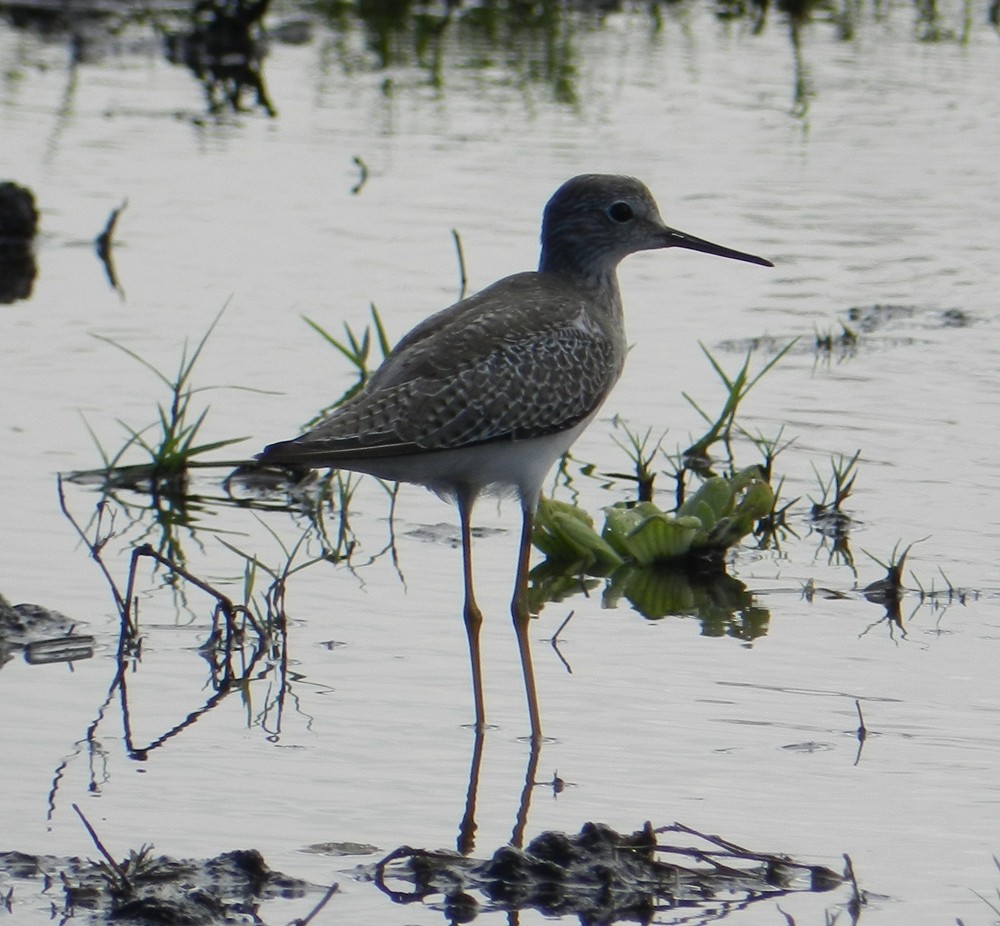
(678, 239)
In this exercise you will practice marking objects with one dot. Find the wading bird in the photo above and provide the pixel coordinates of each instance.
(485, 396)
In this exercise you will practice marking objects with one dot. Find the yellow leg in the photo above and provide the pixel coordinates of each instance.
(522, 618)
(472, 615)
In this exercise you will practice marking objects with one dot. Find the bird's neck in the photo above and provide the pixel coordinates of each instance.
(585, 270)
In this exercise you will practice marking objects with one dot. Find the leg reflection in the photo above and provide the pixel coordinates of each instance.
(467, 828)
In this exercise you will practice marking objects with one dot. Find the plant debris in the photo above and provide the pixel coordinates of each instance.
(601, 876)
(155, 889)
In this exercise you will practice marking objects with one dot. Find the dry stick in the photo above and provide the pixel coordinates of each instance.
(727, 850)
(118, 870)
(400, 853)
(553, 642)
(857, 898)
(462, 278)
(228, 607)
(330, 891)
(560, 628)
(102, 244)
(362, 175)
(862, 729)
(861, 733)
(104, 239)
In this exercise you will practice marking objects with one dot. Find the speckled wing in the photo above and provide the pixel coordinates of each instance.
(530, 355)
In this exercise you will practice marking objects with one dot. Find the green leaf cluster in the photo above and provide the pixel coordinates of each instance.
(719, 515)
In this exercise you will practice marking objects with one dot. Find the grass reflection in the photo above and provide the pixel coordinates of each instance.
(225, 43)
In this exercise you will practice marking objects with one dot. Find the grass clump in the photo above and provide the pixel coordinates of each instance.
(171, 443)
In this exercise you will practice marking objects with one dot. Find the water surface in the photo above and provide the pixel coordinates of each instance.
(861, 162)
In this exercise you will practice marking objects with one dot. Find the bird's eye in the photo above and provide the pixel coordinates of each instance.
(620, 212)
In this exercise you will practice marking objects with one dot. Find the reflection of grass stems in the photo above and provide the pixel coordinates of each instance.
(737, 387)
(175, 446)
(362, 175)
(275, 595)
(347, 484)
(96, 545)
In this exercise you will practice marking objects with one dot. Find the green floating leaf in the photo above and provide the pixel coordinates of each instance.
(713, 500)
(565, 533)
(756, 503)
(645, 535)
(720, 514)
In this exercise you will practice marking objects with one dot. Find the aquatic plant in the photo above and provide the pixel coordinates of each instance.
(835, 490)
(175, 444)
(845, 341)
(641, 454)
(720, 514)
(889, 589)
(737, 388)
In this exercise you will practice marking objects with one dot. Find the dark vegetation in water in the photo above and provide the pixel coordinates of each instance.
(225, 43)
(147, 888)
(602, 876)
(598, 875)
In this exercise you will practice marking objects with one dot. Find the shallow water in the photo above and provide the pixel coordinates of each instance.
(876, 190)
